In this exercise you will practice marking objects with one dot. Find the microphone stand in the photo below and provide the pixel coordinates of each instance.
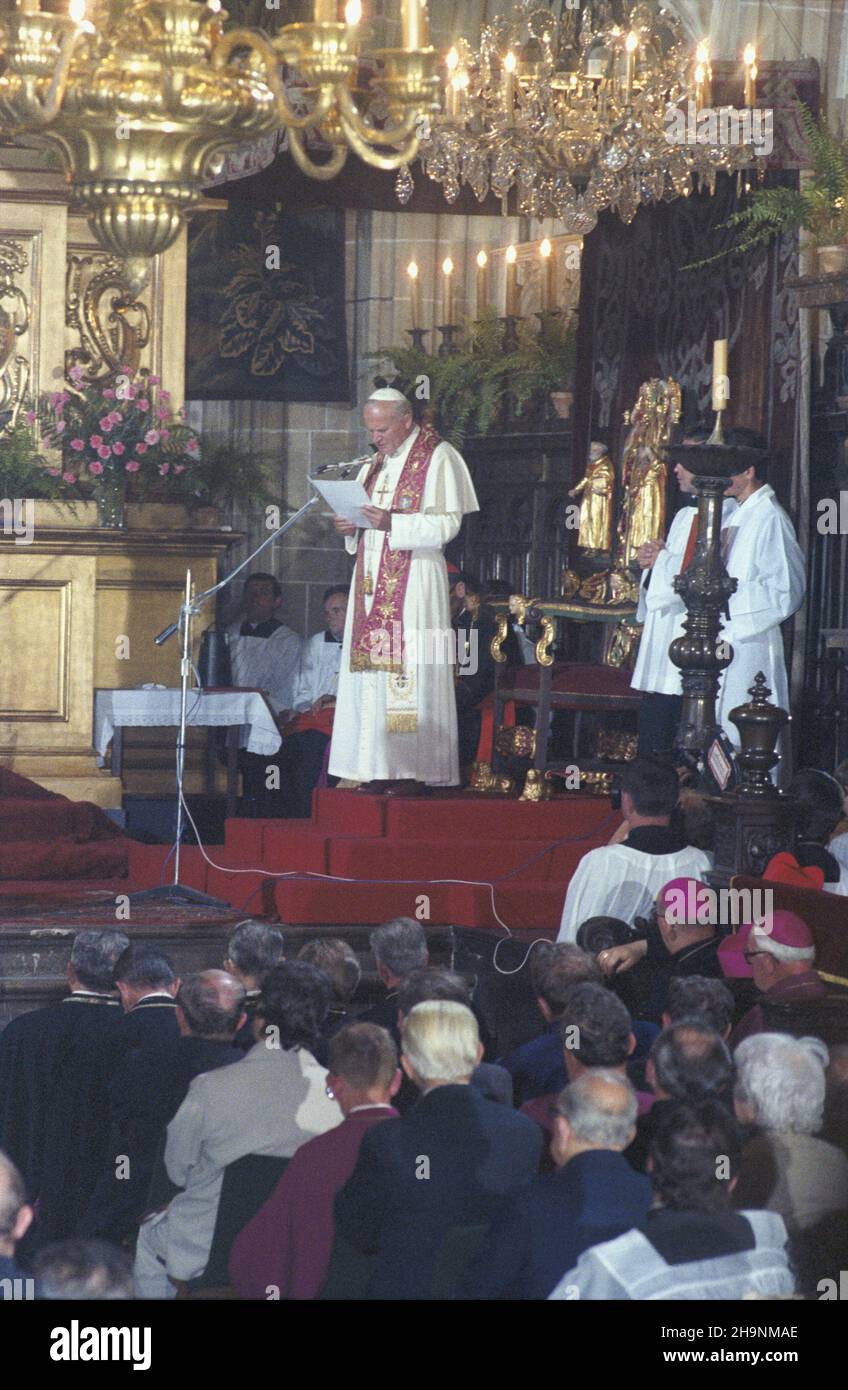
(177, 892)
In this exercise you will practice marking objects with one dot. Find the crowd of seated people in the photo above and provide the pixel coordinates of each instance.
(252, 1132)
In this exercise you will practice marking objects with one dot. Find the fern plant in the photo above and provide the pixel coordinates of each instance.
(23, 470)
(467, 389)
(820, 207)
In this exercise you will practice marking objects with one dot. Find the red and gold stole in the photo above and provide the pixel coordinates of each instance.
(377, 638)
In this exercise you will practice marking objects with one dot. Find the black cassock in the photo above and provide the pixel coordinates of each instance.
(146, 1086)
(53, 1112)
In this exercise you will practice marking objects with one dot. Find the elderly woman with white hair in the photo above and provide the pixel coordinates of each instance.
(780, 1089)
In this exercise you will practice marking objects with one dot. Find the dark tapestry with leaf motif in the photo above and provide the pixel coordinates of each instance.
(266, 312)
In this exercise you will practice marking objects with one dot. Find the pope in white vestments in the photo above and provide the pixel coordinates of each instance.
(760, 551)
(396, 711)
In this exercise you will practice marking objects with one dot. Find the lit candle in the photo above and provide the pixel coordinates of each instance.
(353, 13)
(415, 290)
(749, 58)
(447, 271)
(414, 32)
(76, 11)
(509, 66)
(721, 384)
(451, 61)
(631, 43)
(482, 282)
(460, 87)
(703, 75)
(326, 12)
(546, 252)
(511, 306)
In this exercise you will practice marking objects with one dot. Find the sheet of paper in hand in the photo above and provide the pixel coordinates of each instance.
(345, 497)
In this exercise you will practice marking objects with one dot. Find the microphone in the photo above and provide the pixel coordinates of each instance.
(166, 633)
(345, 468)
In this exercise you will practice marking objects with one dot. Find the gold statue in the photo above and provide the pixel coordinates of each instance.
(597, 484)
(643, 469)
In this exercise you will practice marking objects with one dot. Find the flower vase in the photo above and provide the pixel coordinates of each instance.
(111, 504)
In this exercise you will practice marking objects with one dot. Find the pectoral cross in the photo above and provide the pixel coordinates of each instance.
(385, 489)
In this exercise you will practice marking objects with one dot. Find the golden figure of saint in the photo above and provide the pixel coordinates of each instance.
(643, 469)
(597, 484)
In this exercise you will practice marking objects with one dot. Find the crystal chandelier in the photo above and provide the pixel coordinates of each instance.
(573, 112)
(140, 95)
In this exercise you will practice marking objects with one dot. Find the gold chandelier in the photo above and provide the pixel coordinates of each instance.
(574, 112)
(140, 95)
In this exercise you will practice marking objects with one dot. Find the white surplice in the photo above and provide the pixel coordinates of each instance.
(363, 750)
(662, 610)
(266, 663)
(761, 552)
(319, 671)
(618, 881)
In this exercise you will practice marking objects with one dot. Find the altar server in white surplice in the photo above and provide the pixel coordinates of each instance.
(264, 654)
(396, 712)
(622, 879)
(663, 613)
(762, 554)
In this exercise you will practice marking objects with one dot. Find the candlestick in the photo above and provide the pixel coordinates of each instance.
(447, 271)
(414, 29)
(749, 58)
(546, 252)
(511, 304)
(326, 12)
(509, 66)
(415, 291)
(721, 383)
(482, 283)
(631, 43)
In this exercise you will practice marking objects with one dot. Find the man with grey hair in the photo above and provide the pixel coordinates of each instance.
(89, 1271)
(15, 1218)
(253, 949)
(399, 947)
(449, 1163)
(395, 727)
(593, 1195)
(53, 1115)
(780, 1089)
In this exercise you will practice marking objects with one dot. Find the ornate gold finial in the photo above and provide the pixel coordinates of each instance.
(535, 787)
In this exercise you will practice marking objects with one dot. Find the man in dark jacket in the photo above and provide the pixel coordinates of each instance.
(594, 1195)
(475, 625)
(442, 1172)
(150, 1082)
(53, 1114)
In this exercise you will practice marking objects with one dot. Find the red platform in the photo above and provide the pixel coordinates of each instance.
(364, 859)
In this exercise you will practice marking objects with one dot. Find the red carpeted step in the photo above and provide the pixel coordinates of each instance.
(148, 868)
(524, 908)
(433, 817)
(41, 890)
(301, 901)
(337, 812)
(34, 818)
(434, 859)
(277, 844)
(64, 858)
(244, 891)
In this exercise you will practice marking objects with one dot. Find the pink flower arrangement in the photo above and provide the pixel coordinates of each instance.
(145, 435)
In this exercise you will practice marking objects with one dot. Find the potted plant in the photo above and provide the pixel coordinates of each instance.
(820, 207)
(467, 389)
